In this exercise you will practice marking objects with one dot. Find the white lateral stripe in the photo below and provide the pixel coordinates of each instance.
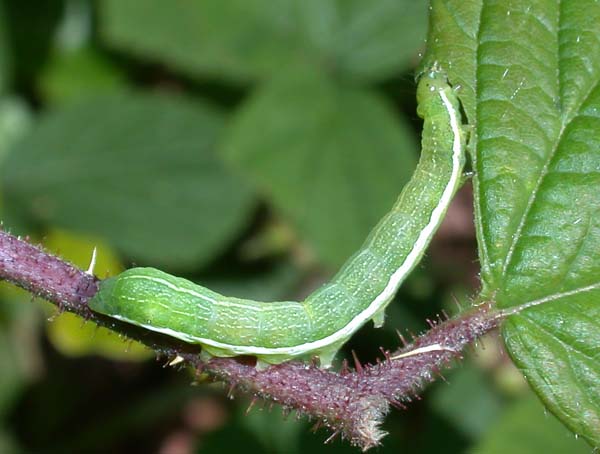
(426, 349)
(361, 318)
(172, 287)
(195, 294)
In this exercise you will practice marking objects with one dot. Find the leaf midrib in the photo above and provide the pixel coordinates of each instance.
(550, 298)
(567, 119)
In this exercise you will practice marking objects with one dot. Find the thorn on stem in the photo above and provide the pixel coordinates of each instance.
(332, 436)
(231, 390)
(90, 270)
(316, 426)
(386, 354)
(458, 305)
(357, 365)
(177, 360)
(252, 403)
(397, 404)
(402, 339)
(344, 370)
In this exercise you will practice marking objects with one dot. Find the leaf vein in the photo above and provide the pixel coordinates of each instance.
(544, 171)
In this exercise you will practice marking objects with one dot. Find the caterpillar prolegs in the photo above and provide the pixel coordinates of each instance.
(318, 326)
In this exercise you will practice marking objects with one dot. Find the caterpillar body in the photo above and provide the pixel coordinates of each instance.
(318, 326)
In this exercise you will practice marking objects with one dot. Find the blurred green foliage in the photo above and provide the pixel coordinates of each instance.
(249, 145)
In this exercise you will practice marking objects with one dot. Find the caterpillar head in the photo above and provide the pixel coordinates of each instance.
(429, 84)
(429, 102)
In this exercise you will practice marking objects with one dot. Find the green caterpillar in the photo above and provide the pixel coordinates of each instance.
(318, 326)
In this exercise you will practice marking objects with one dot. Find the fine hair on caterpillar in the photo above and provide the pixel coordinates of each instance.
(318, 326)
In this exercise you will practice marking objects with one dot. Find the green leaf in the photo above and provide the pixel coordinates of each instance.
(331, 158)
(67, 333)
(240, 39)
(526, 428)
(138, 170)
(74, 75)
(258, 430)
(15, 120)
(129, 419)
(31, 25)
(274, 432)
(5, 56)
(452, 44)
(19, 349)
(537, 184)
(469, 403)
(273, 284)
(8, 445)
(11, 375)
(366, 41)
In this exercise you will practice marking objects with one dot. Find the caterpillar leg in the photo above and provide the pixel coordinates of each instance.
(379, 318)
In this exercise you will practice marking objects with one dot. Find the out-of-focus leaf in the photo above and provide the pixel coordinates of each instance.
(332, 159)
(526, 428)
(71, 76)
(136, 170)
(274, 284)
(135, 417)
(78, 250)
(31, 25)
(361, 40)
(75, 28)
(69, 333)
(258, 431)
(276, 238)
(240, 39)
(19, 355)
(275, 433)
(231, 439)
(537, 186)
(15, 121)
(452, 44)
(7, 443)
(73, 336)
(467, 401)
(5, 55)
(11, 375)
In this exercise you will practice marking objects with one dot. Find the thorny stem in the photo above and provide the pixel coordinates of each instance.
(350, 402)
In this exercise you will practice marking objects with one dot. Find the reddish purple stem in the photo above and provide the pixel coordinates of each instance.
(349, 402)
